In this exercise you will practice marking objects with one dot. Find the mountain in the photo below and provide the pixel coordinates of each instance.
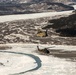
(15, 1)
(8, 7)
(27, 1)
(26, 8)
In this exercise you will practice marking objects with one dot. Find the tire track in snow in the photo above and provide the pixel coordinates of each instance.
(36, 58)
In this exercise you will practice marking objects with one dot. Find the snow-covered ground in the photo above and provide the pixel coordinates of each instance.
(23, 59)
(74, 6)
(32, 16)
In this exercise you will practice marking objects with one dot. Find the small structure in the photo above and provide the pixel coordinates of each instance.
(42, 33)
(74, 11)
(45, 50)
(1, 64)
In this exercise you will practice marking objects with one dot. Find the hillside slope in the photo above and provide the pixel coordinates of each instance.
(25, 31)
(26, 8)
(66, 26)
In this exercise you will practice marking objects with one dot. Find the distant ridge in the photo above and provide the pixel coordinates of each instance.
(27, 1)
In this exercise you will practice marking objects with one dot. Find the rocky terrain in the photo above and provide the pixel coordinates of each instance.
(26, 8)
(25, 31)
(29, 6)
(66, 26)
(27, 1)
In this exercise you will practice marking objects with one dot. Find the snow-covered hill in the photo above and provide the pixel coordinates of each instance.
(23, 28)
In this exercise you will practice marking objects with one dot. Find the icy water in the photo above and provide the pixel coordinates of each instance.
(25, 60)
